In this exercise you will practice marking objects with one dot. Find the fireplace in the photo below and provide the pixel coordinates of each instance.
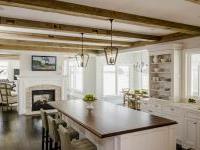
(40, 99)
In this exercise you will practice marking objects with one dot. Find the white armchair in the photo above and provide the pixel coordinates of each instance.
(7, 99)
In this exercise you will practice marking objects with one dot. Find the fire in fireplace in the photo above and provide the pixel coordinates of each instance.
(40, 99)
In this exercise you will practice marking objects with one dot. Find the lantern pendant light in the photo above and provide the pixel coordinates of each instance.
(81, 58)
(111, 52)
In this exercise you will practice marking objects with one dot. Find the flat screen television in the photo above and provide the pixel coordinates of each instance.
(43, 63)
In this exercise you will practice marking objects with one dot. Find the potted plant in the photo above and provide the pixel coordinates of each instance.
(89, 99)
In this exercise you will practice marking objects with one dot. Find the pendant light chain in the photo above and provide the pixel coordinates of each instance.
(82, 43)
(111, 21)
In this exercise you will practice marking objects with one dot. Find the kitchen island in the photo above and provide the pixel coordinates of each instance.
(114, 127)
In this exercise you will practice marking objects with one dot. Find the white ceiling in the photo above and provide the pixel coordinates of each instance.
(174, 10)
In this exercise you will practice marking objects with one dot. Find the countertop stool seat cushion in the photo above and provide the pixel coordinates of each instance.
(73, 133)
(83, 144)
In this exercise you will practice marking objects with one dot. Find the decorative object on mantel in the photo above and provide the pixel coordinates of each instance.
(89, 99)
(81, 58)
(111, 52)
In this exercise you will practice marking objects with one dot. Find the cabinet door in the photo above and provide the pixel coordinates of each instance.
(191, 132)
(198, 138)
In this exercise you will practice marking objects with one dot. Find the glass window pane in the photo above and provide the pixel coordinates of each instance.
(3, 69)
(123, 78)
(109, 84)
(76, 76)
(195, 75)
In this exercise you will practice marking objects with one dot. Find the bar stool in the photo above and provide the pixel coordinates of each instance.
(68, 144)
(54, 135)
(45, 129)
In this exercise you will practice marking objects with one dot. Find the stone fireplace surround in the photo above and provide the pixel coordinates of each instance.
(40, 87)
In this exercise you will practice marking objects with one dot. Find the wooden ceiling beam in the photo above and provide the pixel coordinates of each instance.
(59, 38)
(167, 38)
(49, 44)
(99, 13)
(21, 23)
(42, 49)
(194, 1)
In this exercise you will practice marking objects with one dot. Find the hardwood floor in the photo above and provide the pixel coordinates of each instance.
(19, 132)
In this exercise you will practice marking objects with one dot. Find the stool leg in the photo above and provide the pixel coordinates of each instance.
(56, 146)
(50, 144)
(43, 133)
(47, 140)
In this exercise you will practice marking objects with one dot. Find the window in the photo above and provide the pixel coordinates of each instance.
(195, 75)
(3, 69)
(122, 78)
(75, 76)
(115, 78)
(109, 81)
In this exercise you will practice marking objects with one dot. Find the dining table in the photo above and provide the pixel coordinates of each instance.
(115, 127)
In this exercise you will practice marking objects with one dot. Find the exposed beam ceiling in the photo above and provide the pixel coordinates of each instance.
(167, 38)
(194, 1)
(69, 28)
(59, 38)
(49, 44)
(42, 49)
(93, 12)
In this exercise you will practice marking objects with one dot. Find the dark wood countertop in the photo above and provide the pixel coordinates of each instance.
(107, 119)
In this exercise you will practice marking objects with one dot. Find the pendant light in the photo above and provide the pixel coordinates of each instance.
(81, 58)
(111, 52)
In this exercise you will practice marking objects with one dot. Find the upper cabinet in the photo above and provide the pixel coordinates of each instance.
(164, 75)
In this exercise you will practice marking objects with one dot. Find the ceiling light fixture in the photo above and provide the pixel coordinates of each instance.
(111, 52)
(81, 58)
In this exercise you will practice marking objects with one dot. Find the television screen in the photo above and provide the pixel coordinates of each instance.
(43, 63)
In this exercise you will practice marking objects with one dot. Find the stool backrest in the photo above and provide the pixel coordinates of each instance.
(43, 114)
(64, 138)
(53, 129)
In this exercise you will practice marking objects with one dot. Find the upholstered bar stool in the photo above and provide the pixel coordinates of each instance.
(45, 129)
(68, 144)
(54, 135)
(45, 126)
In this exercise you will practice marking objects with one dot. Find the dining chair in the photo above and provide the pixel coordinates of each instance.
(7, 99)
(68, 144)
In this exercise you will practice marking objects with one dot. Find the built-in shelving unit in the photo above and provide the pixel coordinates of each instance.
(164, 74)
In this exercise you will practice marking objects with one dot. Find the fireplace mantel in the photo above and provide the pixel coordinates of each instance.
(40, 87)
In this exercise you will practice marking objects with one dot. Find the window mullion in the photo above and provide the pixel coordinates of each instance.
(116, 80)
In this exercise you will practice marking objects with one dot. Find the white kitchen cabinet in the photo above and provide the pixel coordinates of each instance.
(191, 133)
(198, 135)
(188, 128)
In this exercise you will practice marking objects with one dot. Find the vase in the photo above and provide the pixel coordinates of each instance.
(90, 105)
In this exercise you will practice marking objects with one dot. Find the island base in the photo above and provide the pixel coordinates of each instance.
(161, 138)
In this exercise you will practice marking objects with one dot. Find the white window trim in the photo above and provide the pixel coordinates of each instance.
(188, 70)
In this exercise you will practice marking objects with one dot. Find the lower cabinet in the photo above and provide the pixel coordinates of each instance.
(198, 136)
(188, 128)
(191, 133)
